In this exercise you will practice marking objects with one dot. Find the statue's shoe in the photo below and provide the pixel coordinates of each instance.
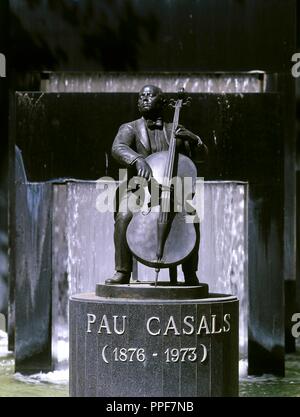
(191, 280)
(119, 278)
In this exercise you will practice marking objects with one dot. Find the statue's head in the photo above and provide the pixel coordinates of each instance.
(151, 101)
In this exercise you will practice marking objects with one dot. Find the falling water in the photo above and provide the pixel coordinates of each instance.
(218, 83)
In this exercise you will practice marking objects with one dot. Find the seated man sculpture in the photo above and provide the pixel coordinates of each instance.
(133, 143)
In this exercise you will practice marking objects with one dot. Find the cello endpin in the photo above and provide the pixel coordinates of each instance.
(156, 276)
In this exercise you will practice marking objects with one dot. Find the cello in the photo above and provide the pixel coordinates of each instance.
(161, 237)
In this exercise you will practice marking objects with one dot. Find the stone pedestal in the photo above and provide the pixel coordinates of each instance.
(131, 347)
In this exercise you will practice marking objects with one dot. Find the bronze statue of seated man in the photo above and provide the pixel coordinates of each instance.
(133, 143)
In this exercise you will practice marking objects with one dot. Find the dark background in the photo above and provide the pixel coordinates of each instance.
(122, 35)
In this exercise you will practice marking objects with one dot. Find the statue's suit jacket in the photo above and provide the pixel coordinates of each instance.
(132, 141)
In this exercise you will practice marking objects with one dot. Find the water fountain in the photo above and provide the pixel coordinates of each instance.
(247, 118)
(59, 250)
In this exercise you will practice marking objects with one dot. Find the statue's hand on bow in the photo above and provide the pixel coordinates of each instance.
(183, 134)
